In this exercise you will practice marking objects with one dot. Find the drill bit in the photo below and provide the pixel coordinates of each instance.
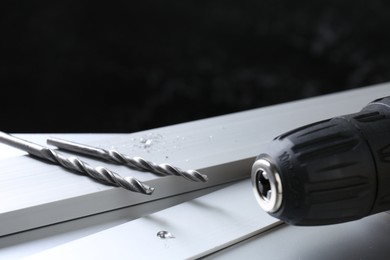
(72, 163)
(137, 163)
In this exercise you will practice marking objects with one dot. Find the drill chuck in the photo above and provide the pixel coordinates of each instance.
(328, 172)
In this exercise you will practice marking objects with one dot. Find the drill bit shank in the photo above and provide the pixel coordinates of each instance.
(72, 163)
(137, 163)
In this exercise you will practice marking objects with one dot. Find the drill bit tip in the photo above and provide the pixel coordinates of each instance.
(143, 188)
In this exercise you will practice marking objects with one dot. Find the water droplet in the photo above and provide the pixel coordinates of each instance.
(210, 137)
(164, 234)
(148, 143)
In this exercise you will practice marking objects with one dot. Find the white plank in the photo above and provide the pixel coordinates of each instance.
(19, 245)
(34, 194)
(366, 238)
(199, 227)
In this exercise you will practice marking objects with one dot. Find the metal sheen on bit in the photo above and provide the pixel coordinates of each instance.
(137, 163)
(100, 174)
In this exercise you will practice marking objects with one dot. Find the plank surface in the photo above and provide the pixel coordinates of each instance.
(34, 193)
(195, 228)
(364, 239)
(19, 245)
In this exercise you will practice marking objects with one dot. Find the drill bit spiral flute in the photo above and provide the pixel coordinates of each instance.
(137, 163)
(72, 163)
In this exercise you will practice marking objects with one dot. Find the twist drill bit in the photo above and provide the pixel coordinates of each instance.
(137, 163)
(72, 163)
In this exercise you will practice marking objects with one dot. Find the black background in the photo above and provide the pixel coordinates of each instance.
(124, 66)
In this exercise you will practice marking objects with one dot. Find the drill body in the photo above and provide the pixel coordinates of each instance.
(328, 172)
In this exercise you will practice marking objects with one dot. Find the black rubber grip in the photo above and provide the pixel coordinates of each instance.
(335, 170)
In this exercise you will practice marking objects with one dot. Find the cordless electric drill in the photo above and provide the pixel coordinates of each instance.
(328, 172)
